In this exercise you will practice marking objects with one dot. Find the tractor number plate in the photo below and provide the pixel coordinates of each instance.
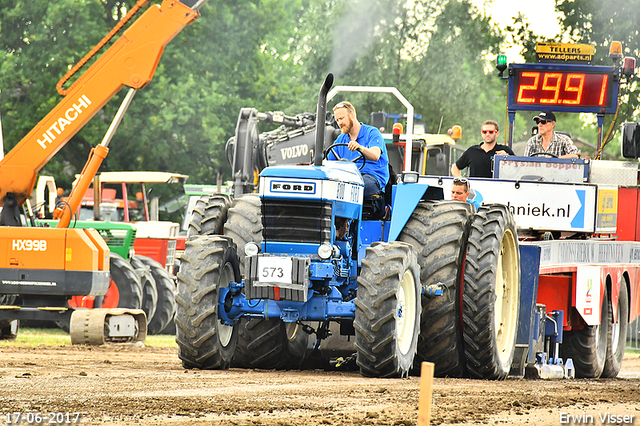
(275, 270)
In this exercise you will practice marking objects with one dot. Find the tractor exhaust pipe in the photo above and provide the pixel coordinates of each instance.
(321, 113)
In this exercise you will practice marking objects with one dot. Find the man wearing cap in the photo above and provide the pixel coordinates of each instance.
(547, 141)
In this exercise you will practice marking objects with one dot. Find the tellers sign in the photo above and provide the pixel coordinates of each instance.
(560, 87)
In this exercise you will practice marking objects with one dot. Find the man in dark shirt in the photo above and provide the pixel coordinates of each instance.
(479, 157)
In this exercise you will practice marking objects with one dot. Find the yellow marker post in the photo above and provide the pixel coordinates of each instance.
(426, 392)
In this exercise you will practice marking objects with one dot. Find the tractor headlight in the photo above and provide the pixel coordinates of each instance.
(251, 249)
(325, 251)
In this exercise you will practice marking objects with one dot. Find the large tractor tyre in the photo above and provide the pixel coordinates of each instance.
(587, 347)
(149, 289)
(125, 288)
(617, 334)
(244, 223)
(209, 263)
(491, 293)
(166, 305)
(209, 215)
(270, 344)
(438, 233)
(387, 319)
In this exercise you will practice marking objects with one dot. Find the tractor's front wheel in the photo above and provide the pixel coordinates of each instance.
(261, 343)
(387, 319)
(208, 264)
(270, 344)
(491, 293)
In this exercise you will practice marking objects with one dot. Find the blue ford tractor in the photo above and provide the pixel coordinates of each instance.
(418, 279)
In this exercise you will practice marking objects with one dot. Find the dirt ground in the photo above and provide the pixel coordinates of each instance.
(143, 385)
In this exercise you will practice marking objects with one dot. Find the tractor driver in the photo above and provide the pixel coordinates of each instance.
(366, 139)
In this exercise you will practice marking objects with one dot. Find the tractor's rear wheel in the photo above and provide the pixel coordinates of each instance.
(209, 263)
(166, 289)
(209, 215)
(270, 344)
(617, 334)
(149, 290)
(491, 293)
(438, 231)
(387, 319)
(587, 347)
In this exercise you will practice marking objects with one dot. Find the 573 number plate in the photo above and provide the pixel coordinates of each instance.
(275, 269)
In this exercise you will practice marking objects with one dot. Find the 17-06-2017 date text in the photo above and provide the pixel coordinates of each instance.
(35, 418)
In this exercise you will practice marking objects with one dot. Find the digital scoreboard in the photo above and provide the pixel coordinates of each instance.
(563, 87)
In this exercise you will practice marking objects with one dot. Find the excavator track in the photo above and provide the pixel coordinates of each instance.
(101, 326)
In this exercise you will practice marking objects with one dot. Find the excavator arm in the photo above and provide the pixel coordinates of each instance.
(131, 61)
(47, 266)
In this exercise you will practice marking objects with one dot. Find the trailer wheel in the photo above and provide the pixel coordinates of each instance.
(438, 233)
(209, 215)
(491, 293)
(387, 319)
(149, 290)
(209, 263)
(166, 289)
(270, 344)
(125, 288)
(617, 334)
(587, 347)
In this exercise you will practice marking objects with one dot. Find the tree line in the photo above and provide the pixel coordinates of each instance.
(273, 55)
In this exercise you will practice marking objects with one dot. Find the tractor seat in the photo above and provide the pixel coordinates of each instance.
(375, 208)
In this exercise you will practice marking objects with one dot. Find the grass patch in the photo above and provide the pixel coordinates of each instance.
(58, 337)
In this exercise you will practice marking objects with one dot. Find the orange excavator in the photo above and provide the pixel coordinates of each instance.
(41, 268)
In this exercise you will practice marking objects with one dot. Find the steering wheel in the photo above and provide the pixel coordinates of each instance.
(537, 154)
(353, 160)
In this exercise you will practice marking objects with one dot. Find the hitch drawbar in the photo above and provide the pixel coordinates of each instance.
(100, 326)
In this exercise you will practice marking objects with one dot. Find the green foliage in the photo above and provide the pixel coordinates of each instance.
(432, 51)
(236, 55)
(273, 55)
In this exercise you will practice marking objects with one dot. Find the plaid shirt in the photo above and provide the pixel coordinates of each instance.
(559, 145)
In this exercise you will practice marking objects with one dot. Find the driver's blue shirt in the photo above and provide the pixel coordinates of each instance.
(368, 136)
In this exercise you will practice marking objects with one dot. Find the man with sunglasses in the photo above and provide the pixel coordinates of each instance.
(547, 141)
(478, 157)
(365, 139)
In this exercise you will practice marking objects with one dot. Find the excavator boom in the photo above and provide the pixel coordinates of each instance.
(47, 266)
(130, 61)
